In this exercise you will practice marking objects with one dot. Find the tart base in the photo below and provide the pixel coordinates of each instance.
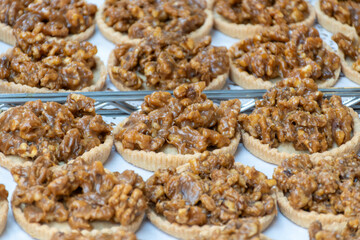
(4, 209)
(99, 153)
(242, 31)
(46, 231)
(7, 36)
(249, 81)
(99, 80)
(118, 37)
(346, 66)
(274, 156)
(215, 84)
(153, 161)
(332, 25)
(305, 218)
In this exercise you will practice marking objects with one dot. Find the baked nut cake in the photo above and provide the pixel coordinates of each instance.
(351, 231)
(295, 118)
(53, 133)
(246, 18)
(77, 197)
(164, 61)
(40, 65)
(339, 16)
(169, 131)
(4, 207)
(64, 19)
(202, 196)
(348, 50)
(277, 53)
(126, 21)
(327, 191)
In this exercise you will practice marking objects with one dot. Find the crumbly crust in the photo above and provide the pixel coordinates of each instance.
(215, 84)
(4, 209)
(98, 82)
(249, 81)
(117, 37)
(242, 31)
(153, 161)
(7, 36)
(274, 156)
(332, 25)
(347, 69)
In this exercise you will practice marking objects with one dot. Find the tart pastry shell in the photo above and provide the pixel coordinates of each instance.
(4, 209)
(7, 36)
(99, 80)
(153, 161)
(274, 156)
(242, 31)
(347, 69)
(215, 84)
(249, 81)
(118, 37)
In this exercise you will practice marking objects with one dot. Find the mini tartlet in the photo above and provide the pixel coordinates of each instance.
(53, 134)
(261, 61)
(4, 208)
(326, 191)
(348, 50)
(164, 61)
(202, 196)
(261, 16)
(294, 118)
(170, 131)
(171, 16)
(77, 197)
(57, 20)
(38, 65)
(325, 11)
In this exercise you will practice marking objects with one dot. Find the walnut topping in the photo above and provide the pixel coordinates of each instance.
(213, 190)
(189, 121)
(294, 111)
(350, 49)
(78, 194)
(136, 17)
(264, 12)
(57, 18)
(351, 232)
(279, 53)
(167, 60)
(37, 62)
(3, 193)
(344, 11)
(53, 131)
(329, 186)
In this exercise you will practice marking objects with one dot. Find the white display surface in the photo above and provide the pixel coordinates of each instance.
(280, 229)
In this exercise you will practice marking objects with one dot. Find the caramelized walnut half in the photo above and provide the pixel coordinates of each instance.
(294, 111)
(37, 62)
(264, 12)
(280, 53)
(54, 132)
(79, 194)
(136, 17)
(329, 186)
(3, 193)
(167, 60)
(57, 18)
(350, 49)
(188, 121)
(212, 190)
(344, 11)
(351, 232)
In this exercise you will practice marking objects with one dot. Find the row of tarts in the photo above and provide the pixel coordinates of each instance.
(55, 154)
(159, 50)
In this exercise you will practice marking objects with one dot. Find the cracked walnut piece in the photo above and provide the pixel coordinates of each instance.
(211, 190)
(55, 65)
(59, 18)
(52, 132)
(279, 53)
(77, 194)
(166, 60)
